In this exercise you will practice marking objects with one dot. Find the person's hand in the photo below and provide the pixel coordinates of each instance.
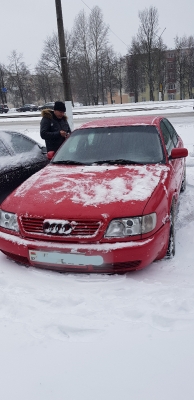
(64, 134)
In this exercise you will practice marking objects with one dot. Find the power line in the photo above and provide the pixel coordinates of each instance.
(108, 27)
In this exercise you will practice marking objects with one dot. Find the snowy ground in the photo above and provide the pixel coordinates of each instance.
(100, 337)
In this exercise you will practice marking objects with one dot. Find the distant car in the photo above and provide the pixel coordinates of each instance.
(3, 108)
(76, 104)
(20, 157)
(106, 202)
(27, 107)
(49, 106)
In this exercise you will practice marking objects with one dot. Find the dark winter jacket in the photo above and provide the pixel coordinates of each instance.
(50, 127)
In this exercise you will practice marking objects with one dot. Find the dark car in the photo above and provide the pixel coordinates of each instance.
(107, 202)
(3, 108)
(20, 157)
(27, 107)
(47, 106)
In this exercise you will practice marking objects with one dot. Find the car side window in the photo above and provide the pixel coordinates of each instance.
(167, 137)
(20, 144)
(172, 131)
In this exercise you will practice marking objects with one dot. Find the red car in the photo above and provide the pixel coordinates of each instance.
(106, 202)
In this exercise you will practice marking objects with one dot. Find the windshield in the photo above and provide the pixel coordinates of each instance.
(114, 145)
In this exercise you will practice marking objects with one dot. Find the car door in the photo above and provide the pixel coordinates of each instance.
(4, 162)
(30, 156)
(179, 162)
(172, 141)
(9, 168)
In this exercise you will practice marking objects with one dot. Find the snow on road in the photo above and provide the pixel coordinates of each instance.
(101, 337)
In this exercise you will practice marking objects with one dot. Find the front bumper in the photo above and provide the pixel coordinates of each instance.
(105, 257)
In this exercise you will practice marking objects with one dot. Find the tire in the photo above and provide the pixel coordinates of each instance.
(183, 184)
(171, 243)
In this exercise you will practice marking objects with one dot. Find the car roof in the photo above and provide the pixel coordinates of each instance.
(123, 121)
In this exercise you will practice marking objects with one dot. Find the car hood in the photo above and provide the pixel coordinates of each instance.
(87, 191)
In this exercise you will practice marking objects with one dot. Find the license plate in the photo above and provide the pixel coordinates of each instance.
(56, 258)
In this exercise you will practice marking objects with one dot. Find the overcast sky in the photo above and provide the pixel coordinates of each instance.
(26, 24)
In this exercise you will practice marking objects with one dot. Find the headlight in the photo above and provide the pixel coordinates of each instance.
(8, 221)
(131, 226)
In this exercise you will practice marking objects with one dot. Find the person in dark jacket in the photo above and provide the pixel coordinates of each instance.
(54, 127)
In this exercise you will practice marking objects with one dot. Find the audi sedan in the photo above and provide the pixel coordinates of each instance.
(106, 202)
(20, 157)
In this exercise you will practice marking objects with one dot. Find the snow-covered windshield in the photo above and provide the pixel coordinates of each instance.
(129, 144)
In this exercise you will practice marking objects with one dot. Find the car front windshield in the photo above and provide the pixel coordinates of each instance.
(139, 144)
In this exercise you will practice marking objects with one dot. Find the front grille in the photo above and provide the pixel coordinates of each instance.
(81, 228)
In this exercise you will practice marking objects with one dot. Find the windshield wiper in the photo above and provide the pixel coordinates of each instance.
(118, 161)
(68, 162)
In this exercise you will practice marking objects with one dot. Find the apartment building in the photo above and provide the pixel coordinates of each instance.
(168, 90)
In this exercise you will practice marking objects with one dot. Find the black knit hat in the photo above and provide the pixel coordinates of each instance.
(59, 106)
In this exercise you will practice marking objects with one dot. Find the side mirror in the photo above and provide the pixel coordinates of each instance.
(50, 155)
(179, 153)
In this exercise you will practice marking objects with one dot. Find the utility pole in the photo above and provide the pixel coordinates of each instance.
(63, 54)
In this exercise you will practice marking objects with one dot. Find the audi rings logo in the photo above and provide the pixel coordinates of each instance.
(57, 227)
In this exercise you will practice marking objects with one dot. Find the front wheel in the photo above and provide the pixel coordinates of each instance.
(171, 243)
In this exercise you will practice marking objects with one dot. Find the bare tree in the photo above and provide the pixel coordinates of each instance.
(190, 65)
(44, 82)
(160, 71)
(50, 57)
(49, 75)
(181, 64)
(147, 37)
(120, 74)
(112, 77)
(90, 39)
(110, 72)
(81, 55)
(134, 70)
(99, 40)
(19, 78)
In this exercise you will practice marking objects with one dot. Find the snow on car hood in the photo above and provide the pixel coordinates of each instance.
(93, 186)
